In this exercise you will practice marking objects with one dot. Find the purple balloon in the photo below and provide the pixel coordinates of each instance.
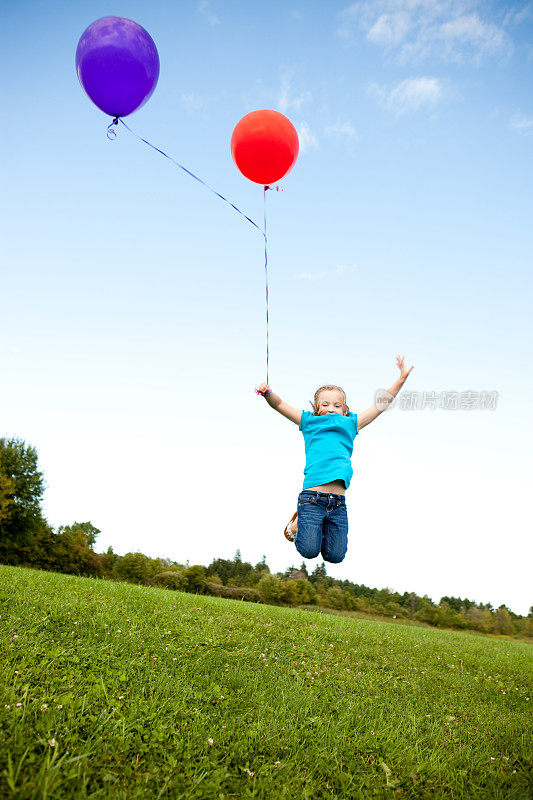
(117, 64)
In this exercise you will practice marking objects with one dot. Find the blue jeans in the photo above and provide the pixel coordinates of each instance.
(322, 526)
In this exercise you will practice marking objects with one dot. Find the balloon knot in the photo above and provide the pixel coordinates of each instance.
(112, 134)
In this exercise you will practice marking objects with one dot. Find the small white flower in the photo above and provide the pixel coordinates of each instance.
(15, 636)
(210, 741)
(19, 705)
(59, 706)
(278, 764)
(121, 697)
(7, 706)
(250, 773)
(52, 742)
(44, 707)
(492, 760)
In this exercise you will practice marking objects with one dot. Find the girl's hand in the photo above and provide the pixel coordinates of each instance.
(263, 389)
(401, 366)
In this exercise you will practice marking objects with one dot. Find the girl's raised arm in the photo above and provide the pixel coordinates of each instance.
(275, 402)
(371, 413)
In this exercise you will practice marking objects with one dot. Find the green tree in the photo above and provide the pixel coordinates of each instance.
(270, 589)
(72, 553)
(222, 567)
(504, 621)
(335, 598)
(262, 566)
(7, 490)
(427, 611)
(319, 573)
(108, 560)
(132, 567)
(194, 578)
(171, 579)
(304, 591)
(85, 529)
(21, 491)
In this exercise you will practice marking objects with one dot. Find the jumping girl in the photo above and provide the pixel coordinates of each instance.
(320, 525)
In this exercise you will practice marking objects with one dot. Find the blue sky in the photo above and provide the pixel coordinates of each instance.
(133, 320)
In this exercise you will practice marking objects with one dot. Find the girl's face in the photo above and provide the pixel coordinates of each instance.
(330, 401)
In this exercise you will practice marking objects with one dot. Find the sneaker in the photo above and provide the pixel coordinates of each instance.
(289, 533)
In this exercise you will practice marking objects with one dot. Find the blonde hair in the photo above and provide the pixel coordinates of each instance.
(327, 388)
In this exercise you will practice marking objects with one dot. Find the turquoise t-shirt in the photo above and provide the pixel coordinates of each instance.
(328, 447)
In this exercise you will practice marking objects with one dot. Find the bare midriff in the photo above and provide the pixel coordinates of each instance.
(335, 487)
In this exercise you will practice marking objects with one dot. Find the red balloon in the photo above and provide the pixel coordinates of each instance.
(264, 146)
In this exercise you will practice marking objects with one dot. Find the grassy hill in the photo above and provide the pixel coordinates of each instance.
(119, 691)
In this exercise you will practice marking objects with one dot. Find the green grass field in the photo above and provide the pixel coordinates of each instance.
(119, 691)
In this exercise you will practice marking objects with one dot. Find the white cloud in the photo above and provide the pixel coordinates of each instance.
(344, 269)
(522, 124)
(311, 276)
(339, 271)
(471, 30)
(389, 29)
(308, 140)
(515, 16)
(409, 95)
(454, 30)
(193, 103)
(287, 100)
(340, 129)
(204, 8)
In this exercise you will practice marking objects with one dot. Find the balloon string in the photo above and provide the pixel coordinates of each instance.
(266, 266)
(111, 132)
(196, 178)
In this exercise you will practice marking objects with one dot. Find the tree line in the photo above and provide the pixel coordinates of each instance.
(26, 539)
